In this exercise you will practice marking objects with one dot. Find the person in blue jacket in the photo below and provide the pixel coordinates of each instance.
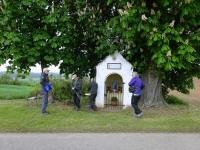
(46, 88)
(135, 87)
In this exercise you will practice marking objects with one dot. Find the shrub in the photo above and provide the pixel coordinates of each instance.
(36, 90)
(6, 79)
(175, 101)
(28, 82)
(85, 86)
(114, 101)
(62, 88)
(10, 79)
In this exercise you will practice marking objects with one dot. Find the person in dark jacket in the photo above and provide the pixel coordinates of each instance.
(136, 86)
(93, 93)
(76, 91)
(44, 81)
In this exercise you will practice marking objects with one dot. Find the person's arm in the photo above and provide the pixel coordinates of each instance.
(132, 82)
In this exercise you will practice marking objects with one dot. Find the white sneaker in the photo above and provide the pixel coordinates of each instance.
(139, 115)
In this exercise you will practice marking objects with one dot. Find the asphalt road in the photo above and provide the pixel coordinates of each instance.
(100, 141)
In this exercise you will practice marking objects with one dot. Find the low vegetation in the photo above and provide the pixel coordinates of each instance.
(173, 100)
(23, 116)
(17, 88)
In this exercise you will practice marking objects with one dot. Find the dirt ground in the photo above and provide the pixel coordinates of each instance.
(193, 97)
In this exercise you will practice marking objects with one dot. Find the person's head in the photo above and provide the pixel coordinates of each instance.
(74, 77)
(136, 72)
(93, 79)
(46, 70)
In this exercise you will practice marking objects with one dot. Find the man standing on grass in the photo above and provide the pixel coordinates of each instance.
(44, 81)
(76, 91)
(135, 87)
(93, 93)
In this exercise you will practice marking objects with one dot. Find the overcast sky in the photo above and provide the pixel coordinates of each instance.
(36, 69)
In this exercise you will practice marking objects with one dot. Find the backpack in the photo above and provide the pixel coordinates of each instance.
(131, 89)
(48, 87)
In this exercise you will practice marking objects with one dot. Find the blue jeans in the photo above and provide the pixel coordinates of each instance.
(45, 101)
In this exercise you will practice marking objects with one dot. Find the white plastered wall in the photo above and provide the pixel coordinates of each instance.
(102, 72)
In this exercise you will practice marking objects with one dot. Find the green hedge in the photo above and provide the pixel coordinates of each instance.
(8, 79)
(175, 101)
(62, 89)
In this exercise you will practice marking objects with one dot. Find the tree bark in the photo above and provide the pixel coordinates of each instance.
(43, 65)
(152, 94)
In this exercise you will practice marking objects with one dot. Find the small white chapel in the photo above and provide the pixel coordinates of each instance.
(112, 76)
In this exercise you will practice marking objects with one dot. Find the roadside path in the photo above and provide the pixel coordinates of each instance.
(100, 141)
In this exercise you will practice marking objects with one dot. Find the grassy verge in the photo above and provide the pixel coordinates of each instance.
(19, 116)
(15, 91)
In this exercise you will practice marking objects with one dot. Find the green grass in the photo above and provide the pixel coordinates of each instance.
(19, 116)
(15, 91)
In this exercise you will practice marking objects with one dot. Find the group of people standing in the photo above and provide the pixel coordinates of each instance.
(136, 86)
(76, 91)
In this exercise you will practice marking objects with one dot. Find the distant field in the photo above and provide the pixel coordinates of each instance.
(15, 91)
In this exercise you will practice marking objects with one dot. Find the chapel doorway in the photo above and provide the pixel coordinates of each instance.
(114, 91)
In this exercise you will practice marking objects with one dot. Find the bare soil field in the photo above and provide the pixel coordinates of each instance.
(193, 97)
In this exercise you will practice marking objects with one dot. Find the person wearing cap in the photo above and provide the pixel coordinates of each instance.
(93, 93)
(76, 91)
(135, 87)
(44, 81)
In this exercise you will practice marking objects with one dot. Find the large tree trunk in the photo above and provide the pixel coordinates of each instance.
(152, 94)
(43, 65)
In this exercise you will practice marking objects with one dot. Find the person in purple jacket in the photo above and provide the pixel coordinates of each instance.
(135, 87)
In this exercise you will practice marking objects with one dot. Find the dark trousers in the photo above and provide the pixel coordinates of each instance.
(92, 101)
(77, 101)
(134, 103)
